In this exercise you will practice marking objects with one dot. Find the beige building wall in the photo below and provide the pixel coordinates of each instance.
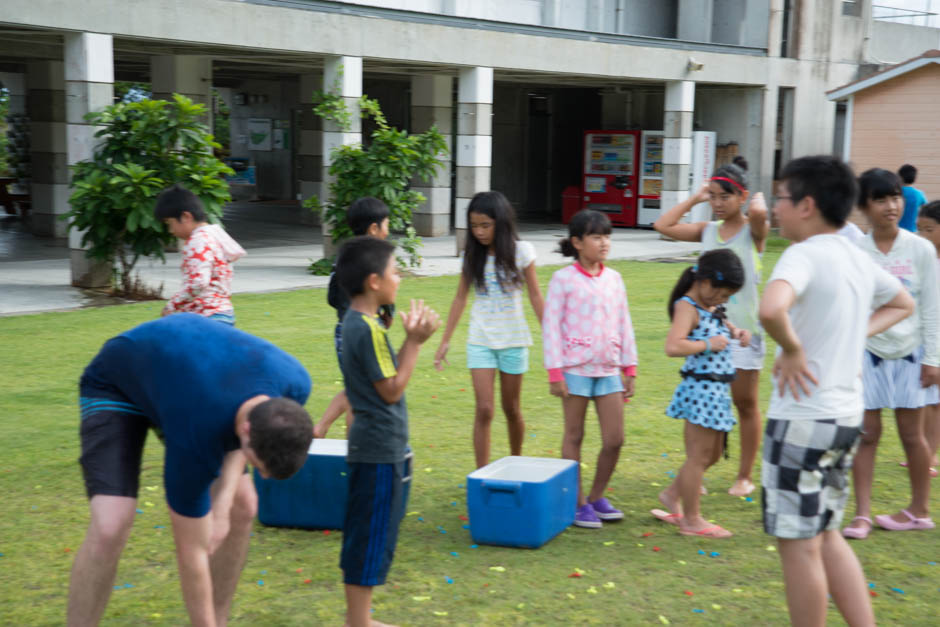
(898, 122)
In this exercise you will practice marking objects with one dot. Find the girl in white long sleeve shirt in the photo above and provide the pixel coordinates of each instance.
(900, 363)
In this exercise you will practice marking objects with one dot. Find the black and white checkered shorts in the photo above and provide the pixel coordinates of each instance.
(805, 474)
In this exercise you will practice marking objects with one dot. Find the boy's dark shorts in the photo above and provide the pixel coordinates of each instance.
(113, 431)
(378, 494)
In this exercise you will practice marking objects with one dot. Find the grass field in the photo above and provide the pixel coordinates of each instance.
(638, 571)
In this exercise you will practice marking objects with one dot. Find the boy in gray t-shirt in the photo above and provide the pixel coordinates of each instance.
(375, 381)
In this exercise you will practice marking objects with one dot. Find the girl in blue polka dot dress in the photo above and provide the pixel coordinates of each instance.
(702, 334)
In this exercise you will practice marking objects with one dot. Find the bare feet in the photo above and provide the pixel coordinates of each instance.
(741, 487)
(670, 501)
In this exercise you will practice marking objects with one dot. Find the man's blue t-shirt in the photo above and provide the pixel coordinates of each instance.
(189, 375)
(914, 199)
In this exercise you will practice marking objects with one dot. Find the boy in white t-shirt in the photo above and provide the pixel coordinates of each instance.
(824, 298)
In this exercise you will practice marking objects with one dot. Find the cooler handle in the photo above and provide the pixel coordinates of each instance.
(497, 485)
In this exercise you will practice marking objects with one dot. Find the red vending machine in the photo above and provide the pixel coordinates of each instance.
(610, 182)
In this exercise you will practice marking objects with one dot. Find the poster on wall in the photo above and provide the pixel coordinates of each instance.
(259, 134)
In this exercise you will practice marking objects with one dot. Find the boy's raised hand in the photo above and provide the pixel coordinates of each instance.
(421, 322)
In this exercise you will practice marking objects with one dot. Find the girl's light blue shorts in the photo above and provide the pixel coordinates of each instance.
(592, 387)
(512, 360)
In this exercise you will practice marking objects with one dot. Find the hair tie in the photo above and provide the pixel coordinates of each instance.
(719, 275)
(695, 268)
(732, 181)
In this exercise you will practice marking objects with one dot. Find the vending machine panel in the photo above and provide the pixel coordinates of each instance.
(610, 174)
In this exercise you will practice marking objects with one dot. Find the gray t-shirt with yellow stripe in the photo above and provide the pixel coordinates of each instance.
(379, 433)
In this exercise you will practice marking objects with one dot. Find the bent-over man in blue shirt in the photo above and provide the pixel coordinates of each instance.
(218, 398)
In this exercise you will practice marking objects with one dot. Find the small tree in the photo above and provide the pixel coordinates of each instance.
(146, 146)
(383, 169)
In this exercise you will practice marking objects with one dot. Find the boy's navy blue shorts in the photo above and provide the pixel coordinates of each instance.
(378, 494)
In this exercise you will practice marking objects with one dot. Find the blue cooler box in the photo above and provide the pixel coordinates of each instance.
(522, 501)
(314, 498)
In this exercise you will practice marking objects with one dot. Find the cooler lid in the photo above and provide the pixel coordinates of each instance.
(328, 447)
(530, 469)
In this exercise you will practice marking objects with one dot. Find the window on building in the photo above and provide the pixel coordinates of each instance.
(852, 8)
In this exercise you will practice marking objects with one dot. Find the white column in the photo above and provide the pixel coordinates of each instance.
(432, 105)
(474, 154)
(677, 142)
(89, 86)
(49, 182)
(342, 76)
(309, 167)
(187, 75)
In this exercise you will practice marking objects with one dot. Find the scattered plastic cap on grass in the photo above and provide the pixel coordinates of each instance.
(499, 569)
(682, 562)
(714, 554)
(737, 590)
(609, 543)
(473, 546)
(663, 620)
(592, 590)
(898, 590)
(420, 518)
(454, 553)
(453, 503)
(701, 552)
(749, 499)
(871, 584)
(139, 511)
(665, 455)
(610, 584)
(449, 580)
(698, 611)
(771, 548)
(570, 596)
(715, 606)
(420, 598)
(439, 613)
(261, 582)
(465, 526)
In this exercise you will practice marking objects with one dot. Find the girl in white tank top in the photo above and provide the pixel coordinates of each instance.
(745, 234)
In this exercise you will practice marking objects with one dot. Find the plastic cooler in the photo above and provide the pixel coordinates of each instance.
(314, 498)
(522, 501)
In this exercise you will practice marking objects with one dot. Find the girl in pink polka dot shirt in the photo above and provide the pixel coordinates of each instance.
(590, 353)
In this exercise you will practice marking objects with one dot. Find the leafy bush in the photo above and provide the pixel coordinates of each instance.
(383, 169)
(146, 147)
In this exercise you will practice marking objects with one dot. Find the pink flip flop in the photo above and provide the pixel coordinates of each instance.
(912, 523)
(858, 533)
(666, 517)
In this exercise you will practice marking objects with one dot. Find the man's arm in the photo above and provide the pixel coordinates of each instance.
(223, 494)
(192, 557)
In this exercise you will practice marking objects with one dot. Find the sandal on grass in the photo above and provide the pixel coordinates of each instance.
(715, 531)
(911, 524)
(858, 533)
(666, 517)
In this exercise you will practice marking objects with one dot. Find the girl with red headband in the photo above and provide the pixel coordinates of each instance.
(745, 234)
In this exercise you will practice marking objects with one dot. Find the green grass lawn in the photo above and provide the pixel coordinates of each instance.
(638, 571)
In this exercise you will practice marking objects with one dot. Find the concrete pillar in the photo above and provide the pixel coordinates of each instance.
(89, 86)
(474, 154)
(551, 13)
(188, 75)
(677, 143)
(342, 76)
(695, 20)
(768, 140)
(432, 101)
(49, 187)
(309, 166)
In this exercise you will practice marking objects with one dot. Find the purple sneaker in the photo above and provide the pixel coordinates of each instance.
(605, 511)
(585, 517)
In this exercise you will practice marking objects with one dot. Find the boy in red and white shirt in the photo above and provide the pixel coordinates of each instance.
(207, 257)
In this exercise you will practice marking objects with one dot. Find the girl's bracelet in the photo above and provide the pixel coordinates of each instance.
(708, 345)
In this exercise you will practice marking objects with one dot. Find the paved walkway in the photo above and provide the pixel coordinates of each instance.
(34, 273)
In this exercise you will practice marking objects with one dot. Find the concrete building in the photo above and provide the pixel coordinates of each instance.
(513, 82)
